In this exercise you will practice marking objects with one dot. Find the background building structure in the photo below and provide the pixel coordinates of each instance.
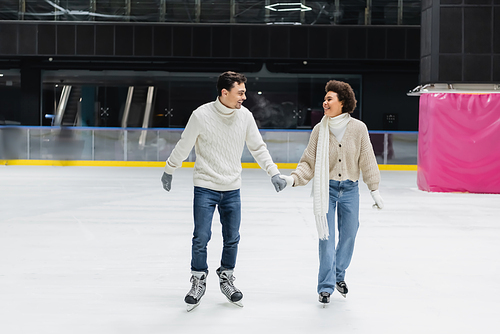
(287, 49)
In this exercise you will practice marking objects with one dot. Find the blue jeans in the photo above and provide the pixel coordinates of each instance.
(229, 206)
(333, 261)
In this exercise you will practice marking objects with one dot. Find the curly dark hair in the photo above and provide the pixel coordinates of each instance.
(345, 94)
(227, 79)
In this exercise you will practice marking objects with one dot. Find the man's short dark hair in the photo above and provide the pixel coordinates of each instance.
(227, 80)
(345, 94)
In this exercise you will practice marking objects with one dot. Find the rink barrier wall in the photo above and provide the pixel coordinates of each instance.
(94, 163)
(128, 146)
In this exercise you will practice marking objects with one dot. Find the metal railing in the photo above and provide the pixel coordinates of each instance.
(137, 144)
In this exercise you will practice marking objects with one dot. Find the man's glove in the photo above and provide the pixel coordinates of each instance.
(166, 179)
(379, 203)
(278, 182)
(289, 180)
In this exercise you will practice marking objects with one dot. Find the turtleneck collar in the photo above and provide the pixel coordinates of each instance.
(222, 109)
(339, 121)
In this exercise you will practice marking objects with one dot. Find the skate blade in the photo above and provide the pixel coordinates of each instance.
(344, 295)
(238, 303)
(190, 307)
(325, 305)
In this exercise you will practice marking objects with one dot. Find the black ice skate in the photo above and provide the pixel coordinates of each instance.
(342, 288)
(324, 298)
(198, 287)
(227, 287)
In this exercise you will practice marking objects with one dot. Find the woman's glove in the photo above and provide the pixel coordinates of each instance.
(289, 180)
(379, 203)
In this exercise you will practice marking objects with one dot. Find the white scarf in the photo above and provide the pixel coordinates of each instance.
(321, 183)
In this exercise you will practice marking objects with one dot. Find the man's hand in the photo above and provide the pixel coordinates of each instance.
(278, 182)
(379, 203)
(166, 179)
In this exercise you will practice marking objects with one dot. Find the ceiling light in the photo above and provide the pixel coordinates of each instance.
(287, 7)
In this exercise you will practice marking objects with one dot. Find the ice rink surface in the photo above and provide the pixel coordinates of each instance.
(107, 250)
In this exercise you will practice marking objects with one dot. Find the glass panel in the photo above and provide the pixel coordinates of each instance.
(185, 94)
(351, 12)
(250, 12)
(377, 140)
(215, 11)
(142, 145)
(73, 10)
(145, 11)
(297, 143)
(167, 141)
(384, 12)
(284, 146)
(273, 102)
(180, 11)
(110, 10)
(38, 142)
(9, 10)
(39, 10)
(401, 147)
(109, 145)
(60, 144)
(411, 12)
(10, 95)
(13, 143)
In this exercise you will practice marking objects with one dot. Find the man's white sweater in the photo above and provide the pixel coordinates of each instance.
(219, 135)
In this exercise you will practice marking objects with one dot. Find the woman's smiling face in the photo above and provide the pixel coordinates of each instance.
(331, 105)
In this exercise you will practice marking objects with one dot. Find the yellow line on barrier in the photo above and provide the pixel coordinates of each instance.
(97, 163)
(82, 163)
(398, 167)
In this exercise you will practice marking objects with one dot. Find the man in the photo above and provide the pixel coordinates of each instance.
(219, 131)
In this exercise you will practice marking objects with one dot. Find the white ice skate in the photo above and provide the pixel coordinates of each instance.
(198, 287)
(227, 287)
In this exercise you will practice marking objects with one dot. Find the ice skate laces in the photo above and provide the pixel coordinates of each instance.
(227, 285)
(197, 287)
(342, 286)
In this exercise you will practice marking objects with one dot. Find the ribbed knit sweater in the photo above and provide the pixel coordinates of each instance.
(219, 135)
(353, 154)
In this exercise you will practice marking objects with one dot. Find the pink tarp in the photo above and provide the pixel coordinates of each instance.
(459, 143)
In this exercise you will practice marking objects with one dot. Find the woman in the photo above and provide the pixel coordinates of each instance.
(339, 148)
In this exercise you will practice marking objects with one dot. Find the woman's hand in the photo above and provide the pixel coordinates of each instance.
(379, 203)
(289, 180)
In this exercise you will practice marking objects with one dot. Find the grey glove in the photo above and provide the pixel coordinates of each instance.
(166, 179)
(278, 182)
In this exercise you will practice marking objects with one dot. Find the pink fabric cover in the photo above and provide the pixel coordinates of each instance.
(459, 143)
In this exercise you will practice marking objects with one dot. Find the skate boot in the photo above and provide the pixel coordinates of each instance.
(342, 288)
(227, 287)
(198, 287)
(324, 298)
